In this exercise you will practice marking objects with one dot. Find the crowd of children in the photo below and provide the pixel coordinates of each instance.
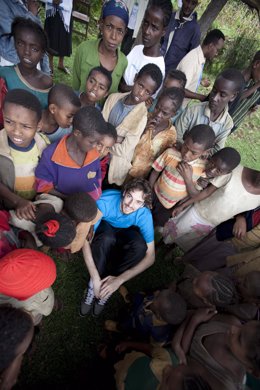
(97, 166)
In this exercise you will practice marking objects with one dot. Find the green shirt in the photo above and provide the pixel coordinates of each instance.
(87, 58)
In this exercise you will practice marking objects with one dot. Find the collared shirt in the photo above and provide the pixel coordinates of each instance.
(57, 170)
(192, 65)
(199, 114)
(180, 38)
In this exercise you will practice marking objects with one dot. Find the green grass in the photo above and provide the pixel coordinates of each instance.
(67, 344)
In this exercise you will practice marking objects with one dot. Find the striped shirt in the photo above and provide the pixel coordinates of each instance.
(170, 186)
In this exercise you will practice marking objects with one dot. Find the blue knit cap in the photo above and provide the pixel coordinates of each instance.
(116, 8)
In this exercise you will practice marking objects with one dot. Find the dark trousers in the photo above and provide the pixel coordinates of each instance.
(160, 213)
(120, 249)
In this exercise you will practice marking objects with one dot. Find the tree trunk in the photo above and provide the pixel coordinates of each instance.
(209, 15)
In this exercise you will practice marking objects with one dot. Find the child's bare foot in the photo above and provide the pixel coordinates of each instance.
(124, 293)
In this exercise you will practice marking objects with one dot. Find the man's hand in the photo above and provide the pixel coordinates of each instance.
(25, 209)
(185, 170)
(239, 228)
(109, 285)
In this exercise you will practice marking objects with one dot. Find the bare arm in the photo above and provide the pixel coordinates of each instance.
(57, 193)
(193, 95)
(111, 283)
(24, 208)
(92, 269)
(185, 170)
(250, 91)
(153, 177)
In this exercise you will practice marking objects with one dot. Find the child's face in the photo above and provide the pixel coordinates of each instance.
(191, 150)
(63, 115)
(28, 48)
(143, 88)
(163, 111)
(169, 82)
(96, 86)
(222, 93)
(85, 144)
(20, 124)
(104, 145)
(202, 285)
(113, 30)
(241, 341)
(152, 27)
(216, 167)
(256, 71)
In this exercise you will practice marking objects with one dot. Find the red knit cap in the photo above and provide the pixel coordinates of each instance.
(25, 272)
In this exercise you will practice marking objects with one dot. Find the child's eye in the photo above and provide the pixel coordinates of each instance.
(7, 121)
(35, 49)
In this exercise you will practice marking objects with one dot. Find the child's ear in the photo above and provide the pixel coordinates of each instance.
(76, 132)
(205, 155)
(52, 108)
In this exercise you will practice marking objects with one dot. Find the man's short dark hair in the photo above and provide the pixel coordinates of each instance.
(202, 135)
(213, 37)
(61, 94)
(229, 156)
(24, 98)
(235, 76)
(141, 185)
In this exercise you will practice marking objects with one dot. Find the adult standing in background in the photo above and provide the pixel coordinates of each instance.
(105, 50)
(136, 14)
(182, 35)
(10, 9)
(58, 27)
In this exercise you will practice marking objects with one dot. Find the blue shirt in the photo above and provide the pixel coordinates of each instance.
(110, 206)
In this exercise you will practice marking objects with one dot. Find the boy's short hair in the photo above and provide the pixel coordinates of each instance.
(176, 95)
(55, 230)
(213, 37)
(256, 56)
(24, 98)
(27, 23)
(89, 120)
(223, 292)
(165, 6)
(111, 131)
(80, 207)
(235, 76)
(229, 156)
(173, 309)
(177, 75)
(61, 94)
(202, 135)
(104, 72)
(15, 324)
(141, 185)
(154, 72)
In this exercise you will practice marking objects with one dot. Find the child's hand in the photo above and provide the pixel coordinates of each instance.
(149, 102)
(179, 353)
(205, 314)
(239, 228)
(119, 139)
(203, 182)
(185, 170)
(177, 210)
(25, 209)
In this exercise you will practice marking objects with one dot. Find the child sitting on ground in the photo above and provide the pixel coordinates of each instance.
(175, 167)
(82, 209)
(174, 78)
(57, 119)
(98, 84)
(72, 164)
(239, 194)
(128, 113)
(217, 173)
(31, 44)
(214, 112)
(152, 317)
(159, 133)
(20, 149)
(156, 18)
(26, 277)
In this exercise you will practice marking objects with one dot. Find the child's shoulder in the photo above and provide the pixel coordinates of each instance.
(46, 80)
(173, 152)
